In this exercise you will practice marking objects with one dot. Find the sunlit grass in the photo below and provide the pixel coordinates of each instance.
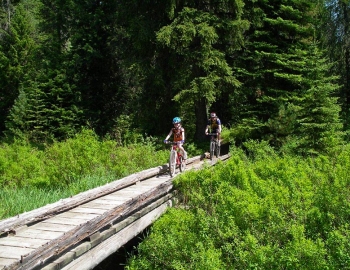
(31, 177)
(15, 201)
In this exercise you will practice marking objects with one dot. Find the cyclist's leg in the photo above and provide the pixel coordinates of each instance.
(172, 162)
(183, 151)
(218, 136)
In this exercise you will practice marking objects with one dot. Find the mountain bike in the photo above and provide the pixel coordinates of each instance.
(214, 145)
(176, 159)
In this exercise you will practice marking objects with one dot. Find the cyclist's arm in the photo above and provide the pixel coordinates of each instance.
(206, 129)
(219, 128)
(219, 125)
(167, 137)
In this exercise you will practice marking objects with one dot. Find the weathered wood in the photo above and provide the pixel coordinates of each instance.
(39, 234)
(110, 212)
(100, 206)
(87, 210)
(76, 215)
(64, 221)
(45, 212)
(16, 241)
(52, 227)
(14, 252)
(4, 262)
(77, 234)
(109, 246)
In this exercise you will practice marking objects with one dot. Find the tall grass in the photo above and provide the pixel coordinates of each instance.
(31, 177)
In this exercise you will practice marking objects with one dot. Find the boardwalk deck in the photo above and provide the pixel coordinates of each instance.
(63, 236)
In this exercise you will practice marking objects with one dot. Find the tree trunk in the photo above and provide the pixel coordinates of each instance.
(201, 119)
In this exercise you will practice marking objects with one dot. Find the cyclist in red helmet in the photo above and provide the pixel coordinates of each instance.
(179, 135)
(214, 124)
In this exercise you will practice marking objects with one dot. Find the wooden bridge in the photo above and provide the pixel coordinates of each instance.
(81, 231)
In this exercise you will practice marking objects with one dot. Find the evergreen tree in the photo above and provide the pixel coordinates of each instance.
(95, 62)
(17, 45)
(48, 106)
(202, 35)
(319, 126)
(27, 119)
(273, 60)
(334, 32)
(146, 67)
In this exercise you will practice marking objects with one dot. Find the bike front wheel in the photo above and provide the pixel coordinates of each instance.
(217, 150)
(212, 149)
(172, 163)
(182, 163)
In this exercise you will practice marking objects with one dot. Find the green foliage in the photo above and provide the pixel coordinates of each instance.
(178, 246)
(17, 46)
(70, 165)
(261, 211)
(20, 163)
(288, 95)
(201, 37)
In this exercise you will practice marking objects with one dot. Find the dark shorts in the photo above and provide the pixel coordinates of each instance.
(215, 131)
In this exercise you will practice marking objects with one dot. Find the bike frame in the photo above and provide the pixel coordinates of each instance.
(175, 159)
(214, 145)
(176, 148)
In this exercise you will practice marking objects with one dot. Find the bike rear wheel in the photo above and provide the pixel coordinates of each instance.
(212, 148)
(172, 163)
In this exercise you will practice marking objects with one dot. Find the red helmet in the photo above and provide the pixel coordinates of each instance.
(212, 115)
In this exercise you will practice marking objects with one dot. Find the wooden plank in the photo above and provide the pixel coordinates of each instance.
(77, 215)
(93, 257)
(127, 194)
(99, 237)
(152, 182)
(14, 252)
(111, 202)
(53, 227)
(113, 197)
(60, 262)
(139, 188)
(18, 241)
(135, 189)
(64, 221)
(5, 261)
(74, 236)
(39, 234)
(101, 206)
(88, 210)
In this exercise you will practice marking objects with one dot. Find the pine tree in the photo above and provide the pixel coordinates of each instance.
(334, 32)
(319, 128)
(16, 58)
(277, 50)
(201, 34)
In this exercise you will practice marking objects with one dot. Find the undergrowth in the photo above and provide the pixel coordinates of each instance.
(31, 177)
(258, 210)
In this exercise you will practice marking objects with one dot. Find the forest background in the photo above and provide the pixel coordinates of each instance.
(272, 70)
(78, 77)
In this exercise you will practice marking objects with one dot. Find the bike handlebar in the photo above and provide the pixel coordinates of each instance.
(212, 134)
(170, 142)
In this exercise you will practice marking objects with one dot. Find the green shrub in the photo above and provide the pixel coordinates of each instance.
(257, 211)
(67, 168)
(18, 163)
